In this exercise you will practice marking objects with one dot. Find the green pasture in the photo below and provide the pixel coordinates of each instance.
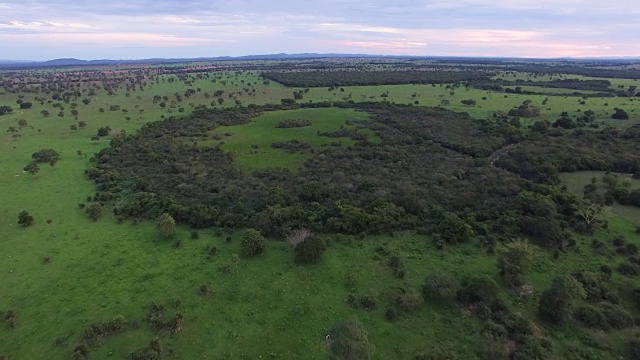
(252, 142)
(576, 181)
(268, 307)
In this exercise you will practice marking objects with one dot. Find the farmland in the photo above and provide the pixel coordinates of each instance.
(400, 183)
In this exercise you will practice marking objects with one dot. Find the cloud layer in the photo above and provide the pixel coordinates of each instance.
(88, 29)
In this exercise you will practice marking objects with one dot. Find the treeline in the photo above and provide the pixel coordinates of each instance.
(591, 69)
(362, 78)
(542, 158)
(603, 87)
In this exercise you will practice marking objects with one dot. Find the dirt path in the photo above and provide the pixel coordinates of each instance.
(498, 153)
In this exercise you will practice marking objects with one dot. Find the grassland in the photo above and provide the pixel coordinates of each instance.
(252, 142)
(267, 307)
(576, 181)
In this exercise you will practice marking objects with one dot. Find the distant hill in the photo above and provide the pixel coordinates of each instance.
(281, 56)
(79, 62)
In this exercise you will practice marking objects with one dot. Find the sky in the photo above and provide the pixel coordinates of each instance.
(118, 29)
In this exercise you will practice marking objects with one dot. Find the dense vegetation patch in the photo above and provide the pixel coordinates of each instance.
(321, 78)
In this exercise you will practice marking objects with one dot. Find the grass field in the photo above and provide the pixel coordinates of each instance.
(262, 132)
(267, 307)
(576, 181)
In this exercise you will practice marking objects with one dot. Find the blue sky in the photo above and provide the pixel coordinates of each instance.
(117, 29)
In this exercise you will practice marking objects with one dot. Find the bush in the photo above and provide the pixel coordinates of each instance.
(452, 229)
(590, 316)
(531, 349)
(615, 316)
(151, 352)
(252, 243)
(409, 300)
(478, 289)
(391, 314)
(440, 286)
(633, 348)
(25, 219)
(166, 225)
(627, 269)
(94, 211)
(310, 250)
(556, 303)
(367, 302)
(514, 262)
(45, 156)
(620, 115)
(348, 341)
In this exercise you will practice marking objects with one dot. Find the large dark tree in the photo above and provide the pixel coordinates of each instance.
(620, 115)
(46, 156)
(25, 219)
(556, 303)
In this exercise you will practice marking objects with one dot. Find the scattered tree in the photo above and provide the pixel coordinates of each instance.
(32, 168)
(45, 156)
(440, 286)
(514, 262)
(310, 250)
(620, 115)
(556, 303)
(166, 225)
(252, 243)
(25, 219)
(94, 210)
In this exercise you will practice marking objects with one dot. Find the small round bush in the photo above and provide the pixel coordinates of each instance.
(252, 243)
(440, 286)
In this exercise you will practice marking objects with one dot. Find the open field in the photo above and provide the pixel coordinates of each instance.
(576, 181)
(62, 275)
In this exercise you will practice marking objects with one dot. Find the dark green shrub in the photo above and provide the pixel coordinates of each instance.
(391, 314)
(627, 269)
(252, 243)
(409, 300)
(478, 289)
(310, 250)
(440, 286)
(347, 340)
(80, 352)
(590, 316)
(633, 348)
(367, 302)
(45, 156)
(10, 319)
(203, 290)
(556, 303)
(153, 351)
(532, 349)
(25, 219)
(615, 315)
